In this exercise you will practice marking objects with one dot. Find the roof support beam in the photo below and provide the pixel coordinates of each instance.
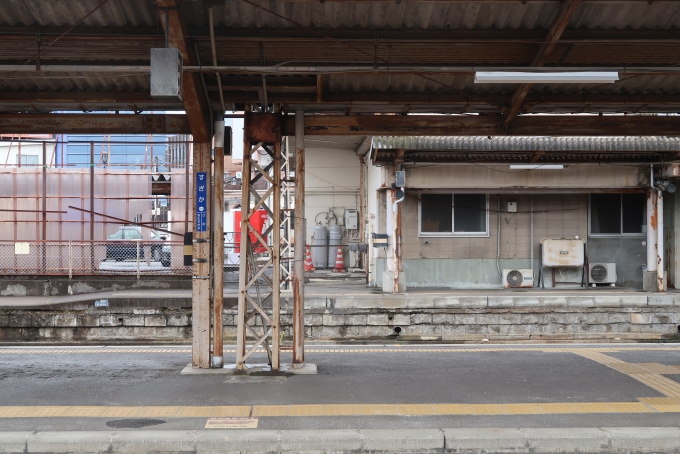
(194, 100)
(64, 100)
(460, 125)
(94, 124)
(565, 14)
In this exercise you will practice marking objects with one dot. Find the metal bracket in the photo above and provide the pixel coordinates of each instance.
(201, 240)
(201, 277)
(200, 260)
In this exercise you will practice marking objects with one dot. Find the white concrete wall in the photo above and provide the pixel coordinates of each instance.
(331, 181)
(490, 176)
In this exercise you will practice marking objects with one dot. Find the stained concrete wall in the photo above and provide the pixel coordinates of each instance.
(629, 254)
(464, 320)
(331, 180)
(500, 176)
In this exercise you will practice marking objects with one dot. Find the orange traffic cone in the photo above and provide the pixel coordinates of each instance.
(339, 261)
(308, 260)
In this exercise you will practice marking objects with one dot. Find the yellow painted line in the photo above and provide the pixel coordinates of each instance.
(306, 410)
(241, 410)
(379, 409)
(85, 412)
(451, 409)
(524, 409)
(158, 412)
(415, 410)
(645, 405)
(560, 408)
(270, 410)
(488, 409)
(15, 412)
(47, 412)
(122, 412)
(343, 410)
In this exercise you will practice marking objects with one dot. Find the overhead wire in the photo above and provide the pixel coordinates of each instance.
(375, 57)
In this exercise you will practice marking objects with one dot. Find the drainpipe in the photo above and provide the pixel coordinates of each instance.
(498, 238)
(655, 231)
(531, 210)
(396, 234)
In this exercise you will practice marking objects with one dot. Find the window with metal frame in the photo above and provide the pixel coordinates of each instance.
(617, 215)
(447, 214)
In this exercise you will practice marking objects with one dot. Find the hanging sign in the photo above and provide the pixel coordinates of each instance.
(201, 201)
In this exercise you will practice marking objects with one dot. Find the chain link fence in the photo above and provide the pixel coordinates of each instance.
(78, 258)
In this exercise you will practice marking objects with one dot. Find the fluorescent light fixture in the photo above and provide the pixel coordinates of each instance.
(521, 77)
(536, 166)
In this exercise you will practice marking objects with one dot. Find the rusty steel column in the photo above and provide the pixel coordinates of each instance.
(276, 258)
(660, 277)
(362, 223)
(651, 230)
(260, 250)
(395, 212)
(218, 245)
(300, 242)
(200, 288)
(244, 245)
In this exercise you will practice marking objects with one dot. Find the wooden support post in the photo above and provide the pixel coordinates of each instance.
(200, 296)
(300, 241)
(218, 245)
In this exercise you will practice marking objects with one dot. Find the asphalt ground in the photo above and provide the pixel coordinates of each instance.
(357, 387)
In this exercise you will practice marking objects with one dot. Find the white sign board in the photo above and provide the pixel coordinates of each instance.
(21, 248)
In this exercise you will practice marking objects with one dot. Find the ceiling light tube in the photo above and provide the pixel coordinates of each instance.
(521, 77)
(536, 166)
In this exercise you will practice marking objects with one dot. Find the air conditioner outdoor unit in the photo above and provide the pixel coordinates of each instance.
(602, 273)
(520, 278)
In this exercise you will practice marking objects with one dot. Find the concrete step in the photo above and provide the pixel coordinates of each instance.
(460, 440)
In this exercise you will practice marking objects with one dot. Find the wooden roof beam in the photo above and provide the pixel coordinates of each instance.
(464, 125)
(561, 21)
(195, 104)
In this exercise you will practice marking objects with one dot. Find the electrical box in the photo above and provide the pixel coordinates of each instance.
(380, 239)
(166, 74)
(512, 207)
(351, 220)
(400, 178)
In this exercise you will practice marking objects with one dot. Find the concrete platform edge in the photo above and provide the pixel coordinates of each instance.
(462, 440)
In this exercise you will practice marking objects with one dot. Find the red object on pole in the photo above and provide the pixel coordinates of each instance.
(339, 261)
(308, 260)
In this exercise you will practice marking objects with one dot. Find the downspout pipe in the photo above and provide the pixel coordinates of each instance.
(658, 210)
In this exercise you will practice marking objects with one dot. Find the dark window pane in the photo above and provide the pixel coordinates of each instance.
(469, 213)
(605, 213)
(634, 212)
(435, 212)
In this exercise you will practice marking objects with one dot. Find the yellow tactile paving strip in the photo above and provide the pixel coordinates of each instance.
(646, 373)
(647, 406)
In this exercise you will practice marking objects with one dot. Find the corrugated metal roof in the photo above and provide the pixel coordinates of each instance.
(527, 143)
(121, 15)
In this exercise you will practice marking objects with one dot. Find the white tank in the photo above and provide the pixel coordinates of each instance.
(335, 240)
(320, 246)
